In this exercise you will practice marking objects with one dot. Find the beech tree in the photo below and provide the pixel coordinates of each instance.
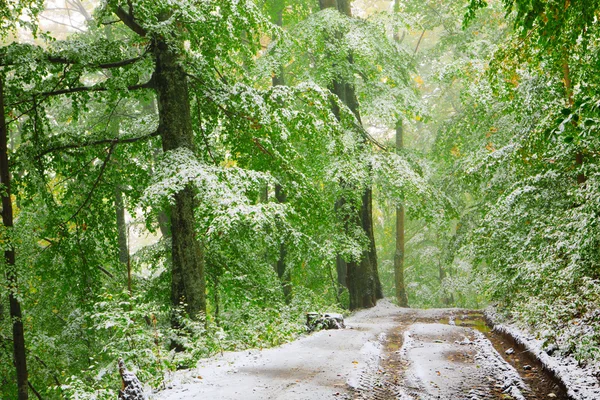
(256, 155)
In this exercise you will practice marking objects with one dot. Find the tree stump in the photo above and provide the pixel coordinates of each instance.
(131, 388)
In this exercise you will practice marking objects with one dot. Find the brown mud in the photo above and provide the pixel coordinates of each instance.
(541, 384)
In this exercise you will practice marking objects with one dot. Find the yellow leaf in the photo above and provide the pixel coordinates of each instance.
(455, 151)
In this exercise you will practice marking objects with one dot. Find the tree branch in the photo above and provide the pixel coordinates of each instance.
(37, 394)
(95, 185)
(130, 22)
(112, 142)
(147, 85)
(419, 42)
(62, 23)
(109, 65)
(107, 273)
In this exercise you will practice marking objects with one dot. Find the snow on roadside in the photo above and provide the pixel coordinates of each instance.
(512, 384)
(449, 361)
(581, 382)
(318, 366)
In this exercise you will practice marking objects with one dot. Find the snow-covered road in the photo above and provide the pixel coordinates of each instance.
(385, 353)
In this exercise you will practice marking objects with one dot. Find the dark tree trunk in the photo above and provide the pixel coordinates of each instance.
(342, 6)
(342, 271)
(447, 299)
(284, 275)
(282, 272)
(401, 295)
(163, 224)
(362, 278)
(340, 264)
(20, 360)
(188, 280)
(399, 254)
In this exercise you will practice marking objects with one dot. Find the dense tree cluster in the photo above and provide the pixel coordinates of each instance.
(184, 178)
(177, 115)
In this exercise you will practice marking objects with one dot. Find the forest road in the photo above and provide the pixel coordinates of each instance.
(384, 353)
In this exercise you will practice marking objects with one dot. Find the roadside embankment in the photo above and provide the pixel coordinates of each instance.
(579, 381)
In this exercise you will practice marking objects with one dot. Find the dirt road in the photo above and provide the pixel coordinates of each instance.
(385, 353)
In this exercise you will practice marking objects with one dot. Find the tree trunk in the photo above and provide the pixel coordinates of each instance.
(188, 280)
(121, 226)
(282, 273)
(399, 254)
(20, 360)
(362, 278)
(447, 299)
(163, 224)
(340, 263)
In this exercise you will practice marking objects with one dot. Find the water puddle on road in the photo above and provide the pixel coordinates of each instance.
(398, 371)
(542, 383)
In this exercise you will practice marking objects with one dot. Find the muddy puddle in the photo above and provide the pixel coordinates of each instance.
(541, 384)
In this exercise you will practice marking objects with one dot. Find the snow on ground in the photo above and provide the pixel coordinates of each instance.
(320, 366)
(436, 361)
(452, 362)
(581, 382)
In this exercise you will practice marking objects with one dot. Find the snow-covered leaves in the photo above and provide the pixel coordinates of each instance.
(226, 194)
(329, 46)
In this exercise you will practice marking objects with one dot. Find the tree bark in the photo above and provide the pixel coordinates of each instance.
(20, 359)
(447, 299)
(401, 295)
(284, 275)
(164, 224)
(121, 226)
(188, 281)
(362, 277)
(340, 263)
(282, 272)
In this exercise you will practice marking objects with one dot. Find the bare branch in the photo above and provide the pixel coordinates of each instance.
(419, 42)
(62, 23)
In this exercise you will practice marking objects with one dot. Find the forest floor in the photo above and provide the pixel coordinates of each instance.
(384, 353)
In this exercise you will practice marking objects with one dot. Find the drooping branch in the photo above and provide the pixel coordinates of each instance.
(146, 85)
(108, 65)
(368, 136)
(58, 59)
(95, 185)
(113, 142)
(130, 22)
(46, 95)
